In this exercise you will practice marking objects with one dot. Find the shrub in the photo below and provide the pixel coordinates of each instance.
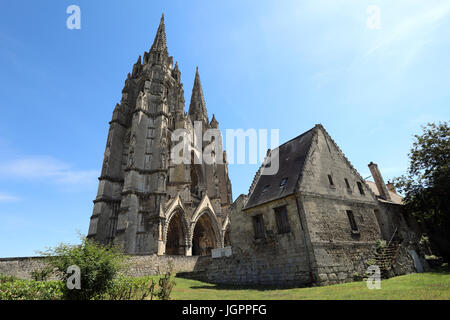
(371, 262)
(98, 265)
(357, 277)
(131, 289)
(31, 290)
(166, 284)
(380, 244)
(5, 278)
(42, 274)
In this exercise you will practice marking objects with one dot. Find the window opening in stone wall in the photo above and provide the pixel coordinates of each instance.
(258, 226)
(361, 190)
(330, 179)
(282, 220)
(351, 219)
(346, 183)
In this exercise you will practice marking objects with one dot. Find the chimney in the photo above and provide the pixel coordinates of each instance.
(376, 174)
(391, 187)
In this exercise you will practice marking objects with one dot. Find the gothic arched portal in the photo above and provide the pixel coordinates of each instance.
(204, 237)
(175, 244)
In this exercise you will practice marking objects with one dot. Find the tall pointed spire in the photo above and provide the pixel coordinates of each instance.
(198, 105)
(214, 123)
(159, 44)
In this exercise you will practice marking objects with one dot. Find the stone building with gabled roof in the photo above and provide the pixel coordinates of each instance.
(315, 221)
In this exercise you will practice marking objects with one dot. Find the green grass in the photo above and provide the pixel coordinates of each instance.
(432, 285)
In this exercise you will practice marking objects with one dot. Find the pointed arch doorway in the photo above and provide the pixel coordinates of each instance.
(204, 237)
(176, 236)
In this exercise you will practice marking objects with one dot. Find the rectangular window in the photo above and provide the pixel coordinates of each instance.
(282, 220)
(258, 226)
(347, 184)
(360, 187)
(351, 219)
(330, 179)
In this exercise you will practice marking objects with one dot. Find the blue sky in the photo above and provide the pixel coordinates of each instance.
(263, 64)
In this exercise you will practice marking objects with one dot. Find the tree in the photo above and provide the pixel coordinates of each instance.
(98, 266)
(426, 186)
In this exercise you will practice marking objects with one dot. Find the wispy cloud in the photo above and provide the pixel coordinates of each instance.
(415, 29)
(48, 169)
(5, 197)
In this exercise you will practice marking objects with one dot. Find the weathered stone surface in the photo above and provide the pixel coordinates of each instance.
(139, 265)
(332, 216)
(147, 202)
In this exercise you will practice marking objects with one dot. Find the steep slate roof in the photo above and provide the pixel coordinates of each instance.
(292, 156)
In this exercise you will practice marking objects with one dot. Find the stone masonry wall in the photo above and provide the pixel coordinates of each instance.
(278, 259)
(140, 265)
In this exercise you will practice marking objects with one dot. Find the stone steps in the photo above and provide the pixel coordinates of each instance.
(386, 257)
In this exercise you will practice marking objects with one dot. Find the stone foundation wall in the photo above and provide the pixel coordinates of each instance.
(144, 265)
(140, 265)
(21, 267)
(338, 262)
(239, 269)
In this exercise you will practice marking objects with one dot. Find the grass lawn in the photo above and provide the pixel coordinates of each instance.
(431, 285)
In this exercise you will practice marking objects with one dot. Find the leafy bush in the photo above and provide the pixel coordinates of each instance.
(5, 278)
(42, 274)
(357, 276)
(371, 262)
(424, 240)
(31, 290)
(131, 289)
(98, 265)
(166, 284)
(380, 244)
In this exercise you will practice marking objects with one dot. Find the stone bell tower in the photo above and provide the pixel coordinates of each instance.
(140, 191)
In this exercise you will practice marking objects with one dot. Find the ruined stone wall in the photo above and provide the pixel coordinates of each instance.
(140, 265)
(21, 267)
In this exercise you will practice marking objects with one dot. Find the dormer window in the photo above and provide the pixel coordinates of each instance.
(330, 179)
(283, 182)
(347, 184)
(266, 188)
(360, 187)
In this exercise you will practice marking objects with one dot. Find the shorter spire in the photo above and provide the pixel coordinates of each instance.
(198, 105)
(214, 124)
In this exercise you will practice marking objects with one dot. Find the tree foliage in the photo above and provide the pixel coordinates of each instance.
(426, 186)
(98, 264)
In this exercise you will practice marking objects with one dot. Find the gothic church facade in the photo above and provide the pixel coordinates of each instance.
(145, 202)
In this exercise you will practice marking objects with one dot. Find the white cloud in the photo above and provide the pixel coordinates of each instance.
(48, 169)
(411, 32)
(4, 197)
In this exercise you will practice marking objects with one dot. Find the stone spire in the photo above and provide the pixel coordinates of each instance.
(197, 108)
(214, 124)
(159, 44)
